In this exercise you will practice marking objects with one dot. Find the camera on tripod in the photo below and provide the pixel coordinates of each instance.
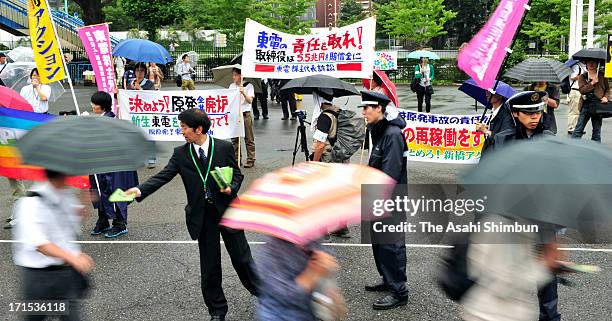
(301, 115)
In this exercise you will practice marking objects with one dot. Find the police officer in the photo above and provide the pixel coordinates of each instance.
(527, 109)
(388, 154)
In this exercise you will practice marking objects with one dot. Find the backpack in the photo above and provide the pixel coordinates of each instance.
(453, 277)
(349, 131)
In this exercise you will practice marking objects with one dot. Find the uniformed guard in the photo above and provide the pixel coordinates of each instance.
(388, 154)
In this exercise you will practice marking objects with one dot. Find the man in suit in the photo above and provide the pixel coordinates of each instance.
(206, 203)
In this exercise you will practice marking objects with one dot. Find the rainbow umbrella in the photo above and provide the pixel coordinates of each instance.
(302, 203)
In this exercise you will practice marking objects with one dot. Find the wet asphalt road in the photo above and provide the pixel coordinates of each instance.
(161, 281)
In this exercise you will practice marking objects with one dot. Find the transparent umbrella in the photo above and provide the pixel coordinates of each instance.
(21, 54)
(17, 75)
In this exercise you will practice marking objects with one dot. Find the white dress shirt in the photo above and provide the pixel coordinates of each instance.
(249, 91)
(31, 95)
(204, 147)
(52, 218)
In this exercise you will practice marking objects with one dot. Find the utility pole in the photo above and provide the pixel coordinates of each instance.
(590, 24)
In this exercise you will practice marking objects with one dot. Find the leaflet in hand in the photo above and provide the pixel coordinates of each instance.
(223, 176)
(120, 196)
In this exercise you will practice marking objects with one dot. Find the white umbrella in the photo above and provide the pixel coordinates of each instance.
(21, 54)
(17, 75)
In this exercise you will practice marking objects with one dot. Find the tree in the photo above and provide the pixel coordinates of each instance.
(547, 22)
(153, 14)
(471, 16)
(284, 15)
(224, 16)
(120, 20)
(415, 20)
(92, 10)
(350, 12)
(603, 21)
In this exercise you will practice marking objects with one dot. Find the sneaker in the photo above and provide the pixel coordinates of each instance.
(100, 229)
(116, 231)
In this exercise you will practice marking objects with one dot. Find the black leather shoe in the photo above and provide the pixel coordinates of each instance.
(217, 318)
(380, 287)
(284, 118)
(266, 117)
(256, 117)
(389, 302)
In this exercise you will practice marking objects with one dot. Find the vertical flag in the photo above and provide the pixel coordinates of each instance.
(482, 58)
(96, 41)
(47, 53)
(608, 73)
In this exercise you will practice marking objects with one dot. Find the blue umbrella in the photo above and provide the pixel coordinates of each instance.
(471, 89)
(422, 53)
(571, 62)
(142, 50)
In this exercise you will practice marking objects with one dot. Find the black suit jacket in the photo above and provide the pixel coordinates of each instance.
(182, 164)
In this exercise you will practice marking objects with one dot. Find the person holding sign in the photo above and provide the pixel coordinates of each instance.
(37, 94)
(247, 93)
(206, 203)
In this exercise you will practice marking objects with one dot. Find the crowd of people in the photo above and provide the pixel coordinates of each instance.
(293, 274)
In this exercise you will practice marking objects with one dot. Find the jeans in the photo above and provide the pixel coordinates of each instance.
(422, 93)
(583, 119)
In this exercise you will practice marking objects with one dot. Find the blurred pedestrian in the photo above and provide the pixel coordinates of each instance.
(206, 203)
(574, 98)
(52, 265)
(288, 102)
(36, 93)
(17, 191)
(552, 103)
(247, 94)
(595, 90)
(155, 75)
(128, 75)
(106, 183)
(295, 277)
(389, 154)
(119, 66)
(185, 70)
(425, 72)
(263, 101)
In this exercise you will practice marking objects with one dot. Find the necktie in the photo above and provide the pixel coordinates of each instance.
(204, 160)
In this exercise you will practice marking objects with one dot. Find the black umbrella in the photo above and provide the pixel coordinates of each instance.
(236, 60)
(306, 85)
(590, 54)
(85, 145)
(554, 180)
(539, 69)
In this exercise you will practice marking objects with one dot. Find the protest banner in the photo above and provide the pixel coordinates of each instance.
(442, 138)
(96, 41)
(484, 55)
(608, 67)
(385, 60)
(346, 52)
(46, 46)
(156, 112)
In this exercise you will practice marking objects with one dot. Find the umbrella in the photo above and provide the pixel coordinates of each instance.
(539, 69)
(423, 53)
(306, 85)
(387, 85)
(142, 50)
(21, 54)
(193, 57)
(539, 180)
(222, 76)
(471, 89)
(302, 203)
(237, 59)
(590, 54)
(11, 99)
(17, 75)
(571, 62)
(85, 145)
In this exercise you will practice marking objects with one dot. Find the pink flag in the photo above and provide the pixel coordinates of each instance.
(484, 55)
(96, 40)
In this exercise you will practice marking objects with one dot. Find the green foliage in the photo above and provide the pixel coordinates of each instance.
(548, 22)
(284, 15)
(351, 12)
(225, 16)
(153, 14)
(471, 16)
(120, 20)
(415, 20)
(603, 20)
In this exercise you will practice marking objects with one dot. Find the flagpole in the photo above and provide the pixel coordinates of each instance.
(59, 44)
(501, 69)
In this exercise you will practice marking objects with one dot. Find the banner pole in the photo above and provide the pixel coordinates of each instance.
(501, 69)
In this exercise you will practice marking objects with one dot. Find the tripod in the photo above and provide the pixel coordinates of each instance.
(301, 137)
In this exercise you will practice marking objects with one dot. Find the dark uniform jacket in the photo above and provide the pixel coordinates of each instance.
(519, 133)
(553, 92)
(389, 148)
(502, 121)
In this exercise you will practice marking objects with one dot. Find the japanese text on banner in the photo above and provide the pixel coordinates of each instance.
(482, 58)
(156, 112)
(96, 42)
(442, 138)
(346, 52)
(47, 53)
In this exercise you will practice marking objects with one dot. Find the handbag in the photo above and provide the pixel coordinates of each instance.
(601, 109)
(179, 80)
(429, 90)
(414, 85)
